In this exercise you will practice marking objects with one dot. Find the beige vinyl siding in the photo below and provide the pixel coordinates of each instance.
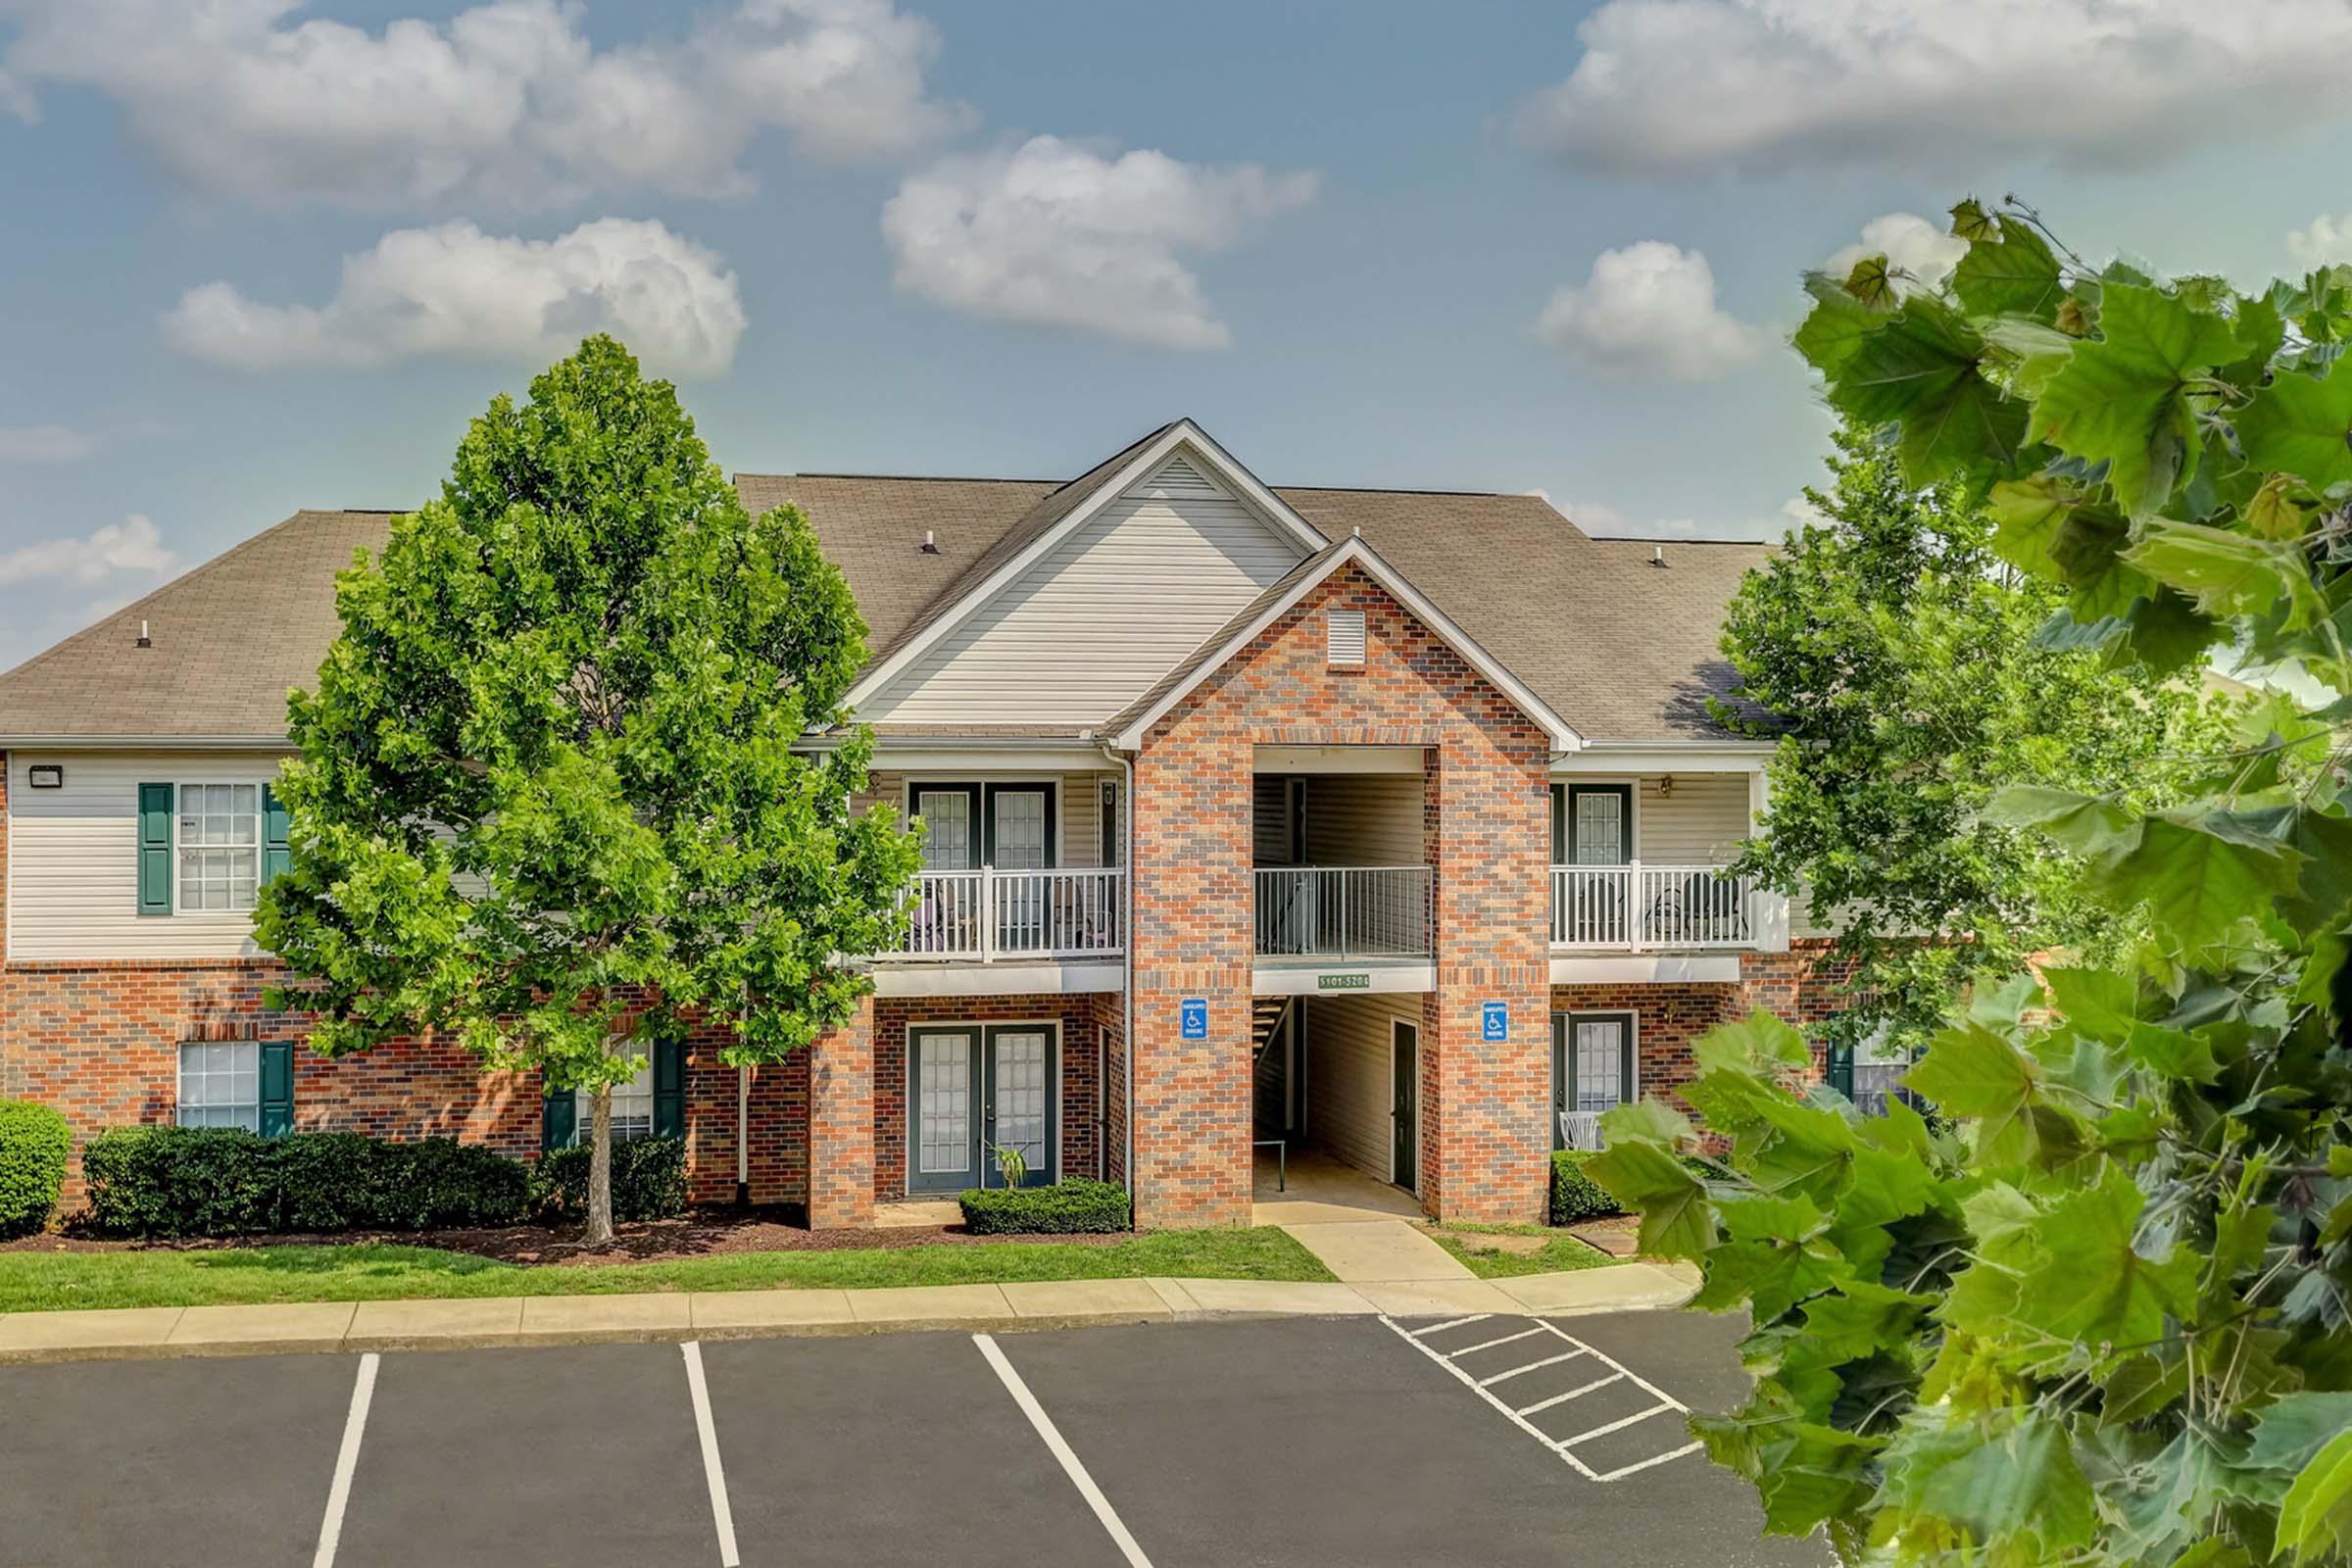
(73, 857)
(1348, 1081)
(1363, 819)
(1089, 626)
(1269, 821)
(1700, 823)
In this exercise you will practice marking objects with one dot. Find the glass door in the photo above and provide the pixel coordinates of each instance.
(1591, 1072)
(1021, 1102)
(944, 1140)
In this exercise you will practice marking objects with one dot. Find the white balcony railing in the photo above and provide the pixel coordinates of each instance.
(1629, 909)
(981, 916)
(1342, 911)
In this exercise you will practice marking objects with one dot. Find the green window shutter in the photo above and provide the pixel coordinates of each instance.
(558, 1120)
(1841, 1070)
(278, 1088)
(155, 849)
(669, 1089)
(278, 852)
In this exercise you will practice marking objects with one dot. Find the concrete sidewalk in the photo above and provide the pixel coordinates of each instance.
(155, 1332)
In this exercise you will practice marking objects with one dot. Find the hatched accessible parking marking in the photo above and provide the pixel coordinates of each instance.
(1615, 1372)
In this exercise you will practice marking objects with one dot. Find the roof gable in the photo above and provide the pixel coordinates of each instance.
(1141, 573)
(1128, 728)
(1054, 517)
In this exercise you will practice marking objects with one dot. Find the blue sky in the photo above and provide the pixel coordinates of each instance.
(268, 255)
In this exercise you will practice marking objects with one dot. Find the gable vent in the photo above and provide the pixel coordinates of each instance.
(1344, 636)
(1178, 477)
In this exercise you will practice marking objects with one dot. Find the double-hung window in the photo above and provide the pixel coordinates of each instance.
(238, 1083)
(632, 1107)
(220, 844)
(206, 847)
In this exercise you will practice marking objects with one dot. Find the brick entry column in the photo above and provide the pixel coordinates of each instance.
(1483, 1145)
(840, 1124)
(1192, 941)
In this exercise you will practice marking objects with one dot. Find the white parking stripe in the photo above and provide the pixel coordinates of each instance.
(1471, 1383)
(1456, 1323)
(721, 1514)
(1614, 1425)
(347, 1460)
(1549, 1360)
(1061, 1452)
(1488, 1344)
(1575, 1392)
(1655, 1458)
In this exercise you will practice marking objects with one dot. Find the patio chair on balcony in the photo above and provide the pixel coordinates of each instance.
(1706, 907)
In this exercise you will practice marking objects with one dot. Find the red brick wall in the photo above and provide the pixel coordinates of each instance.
(840, 1124)
(1485, 793)
(1803, 986)
(99, 1041)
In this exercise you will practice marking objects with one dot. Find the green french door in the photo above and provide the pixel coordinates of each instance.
(973, 1088)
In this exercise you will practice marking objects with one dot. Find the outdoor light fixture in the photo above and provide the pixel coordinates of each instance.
(46, 775)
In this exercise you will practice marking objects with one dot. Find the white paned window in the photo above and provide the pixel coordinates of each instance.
(221, 1084)
(218, 831)
(1020, 830)
(948, 818)
(632, 1108)
(1601, 1065)
(1599, 827)
(1344, 636)
(1020, 1095)
(943, 1111)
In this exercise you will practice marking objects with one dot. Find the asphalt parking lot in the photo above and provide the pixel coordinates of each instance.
(1344, 1441)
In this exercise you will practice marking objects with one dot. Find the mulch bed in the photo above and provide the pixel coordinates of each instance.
(703, 1233)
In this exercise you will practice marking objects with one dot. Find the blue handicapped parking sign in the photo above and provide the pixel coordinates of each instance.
(1194, 1014)
(1495, 1021)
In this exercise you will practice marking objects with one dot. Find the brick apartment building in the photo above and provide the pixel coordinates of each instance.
(1381, 823)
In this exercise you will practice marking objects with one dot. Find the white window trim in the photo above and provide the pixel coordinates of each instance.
(583, 1103)
(181, 781)
(179, 1083)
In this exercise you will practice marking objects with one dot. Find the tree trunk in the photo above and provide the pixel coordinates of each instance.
(599, 1170)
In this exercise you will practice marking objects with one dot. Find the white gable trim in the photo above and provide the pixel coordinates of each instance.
(1564, 738)
(1180, 434)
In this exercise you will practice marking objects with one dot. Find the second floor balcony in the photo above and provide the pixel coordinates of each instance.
(1639, 908)
(984, 915)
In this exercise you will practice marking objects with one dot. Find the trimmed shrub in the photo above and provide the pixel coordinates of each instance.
(1074, 1205)
(223, 1181)
(649, 1180)
(1575, 1195)
(32, 1165)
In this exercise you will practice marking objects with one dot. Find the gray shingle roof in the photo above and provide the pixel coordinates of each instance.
(1623, 650)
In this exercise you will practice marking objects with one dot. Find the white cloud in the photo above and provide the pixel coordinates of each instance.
(43, 443)
(1907, 240)
(2327, 241)
(1056, 234)
(507, 103)
(1702, 87)
(1649, 309)
(132, 545)
(454, 292)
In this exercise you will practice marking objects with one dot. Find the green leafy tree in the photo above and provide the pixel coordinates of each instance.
(2101, 1312)
(552, 797)
(1895, 653)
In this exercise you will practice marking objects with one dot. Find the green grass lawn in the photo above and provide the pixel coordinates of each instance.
(1560, 1251)
(33, 1282)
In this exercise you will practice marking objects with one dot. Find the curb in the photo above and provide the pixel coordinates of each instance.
(149, 1334)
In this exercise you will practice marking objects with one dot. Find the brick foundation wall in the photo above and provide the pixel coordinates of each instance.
(99, 1041)
(1486, 795)
(1803, 986)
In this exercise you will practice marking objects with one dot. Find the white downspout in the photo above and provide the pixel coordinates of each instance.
(743, 1135)
(1127, 962)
